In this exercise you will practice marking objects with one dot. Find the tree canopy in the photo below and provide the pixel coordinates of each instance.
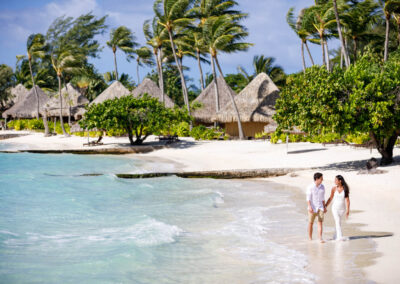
(364, 98)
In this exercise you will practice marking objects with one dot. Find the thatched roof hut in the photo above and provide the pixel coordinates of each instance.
(256, 105)
(207, 111)
(115, 90)
(71, 98)
(151, 88)
(18, 93)
(27, 108)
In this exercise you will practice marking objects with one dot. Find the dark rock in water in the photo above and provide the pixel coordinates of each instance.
(372, 164)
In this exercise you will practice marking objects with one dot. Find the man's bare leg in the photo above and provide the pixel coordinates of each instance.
(310, 229)
(320, 231)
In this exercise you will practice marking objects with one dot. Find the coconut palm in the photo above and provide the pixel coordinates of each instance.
(35, 47)
(263, 64)
(204, 9)
(391, 7)
(339, 27)
(65, 59)
(360, 31)
(321, 17)
(144, 57)
(157, 37)
(298, 27)
(121, 38)
(224, 34)
(173, 14)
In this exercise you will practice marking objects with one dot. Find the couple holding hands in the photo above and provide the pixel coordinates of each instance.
(317, 206)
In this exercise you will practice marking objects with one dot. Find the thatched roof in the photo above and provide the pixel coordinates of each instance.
(256, 102)
(115, 90)
(151, 88)
(71, 97)
(27, 108)
(207, 99)
(18, 93)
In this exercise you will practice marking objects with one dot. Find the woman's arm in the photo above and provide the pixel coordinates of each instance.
(347, 207)
(330, 197)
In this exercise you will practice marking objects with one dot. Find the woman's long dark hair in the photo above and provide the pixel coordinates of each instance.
(345, 186)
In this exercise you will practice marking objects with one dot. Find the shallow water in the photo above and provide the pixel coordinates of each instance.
(57, 226)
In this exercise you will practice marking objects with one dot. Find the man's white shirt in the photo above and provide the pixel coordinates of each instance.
(316, 196)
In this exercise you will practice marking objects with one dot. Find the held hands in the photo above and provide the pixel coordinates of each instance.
(325, 210)
(347, 214)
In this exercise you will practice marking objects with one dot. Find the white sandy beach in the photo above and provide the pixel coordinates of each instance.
(375, 200)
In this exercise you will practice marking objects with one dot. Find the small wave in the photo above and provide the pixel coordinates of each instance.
(5, 232)
(148, 232)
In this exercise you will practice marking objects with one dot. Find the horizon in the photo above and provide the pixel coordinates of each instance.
(269, 32)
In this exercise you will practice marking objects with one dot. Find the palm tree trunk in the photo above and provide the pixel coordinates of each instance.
(61, 107)
(137, 71)
(241, 134)
(215, 86)
(115, 65)
(184, 89)
(341, 58)
(385, 56)
(201, 70)
(46, 125)
(69, 105)
(160, 75)
(34, 88)
(309, 54)
(346, 57)
(323, 51)
(302, 57)
(355, 48)
(328, 60)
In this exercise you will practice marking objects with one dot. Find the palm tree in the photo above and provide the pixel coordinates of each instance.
(360, 31)
(157, 37)
(321, 18)
(297, 26)
(204, 9)
(65, 58)
(391, 7)
(339, 27)
(195, 36)
(224, 34)
(173, 14)
(263, 64)
(121, 38)
(35, 47)
(144, 57)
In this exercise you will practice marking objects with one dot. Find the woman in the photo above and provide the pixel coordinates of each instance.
(341, 203)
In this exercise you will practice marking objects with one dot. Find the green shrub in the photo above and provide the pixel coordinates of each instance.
(203, 133)
(35, 124)
(91, 133)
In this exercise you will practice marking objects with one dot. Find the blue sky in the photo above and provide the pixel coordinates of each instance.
(267, 26)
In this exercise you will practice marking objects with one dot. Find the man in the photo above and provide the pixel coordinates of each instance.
(316, 204)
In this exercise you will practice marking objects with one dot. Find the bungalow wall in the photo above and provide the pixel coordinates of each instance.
(249, 128)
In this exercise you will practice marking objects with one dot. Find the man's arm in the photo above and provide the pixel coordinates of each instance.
(308, 194)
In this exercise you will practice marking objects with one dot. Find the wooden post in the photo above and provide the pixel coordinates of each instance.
(287, 144)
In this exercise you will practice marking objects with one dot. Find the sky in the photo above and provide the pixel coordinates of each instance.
(267, 26)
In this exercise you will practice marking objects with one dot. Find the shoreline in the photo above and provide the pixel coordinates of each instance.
(374, 197)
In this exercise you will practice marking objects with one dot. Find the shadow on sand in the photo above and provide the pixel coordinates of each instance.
(306, 151)
(372, 236)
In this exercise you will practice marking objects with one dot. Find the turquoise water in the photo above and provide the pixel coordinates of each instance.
(57, 226)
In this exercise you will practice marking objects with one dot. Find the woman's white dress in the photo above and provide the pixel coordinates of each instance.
(338, 210)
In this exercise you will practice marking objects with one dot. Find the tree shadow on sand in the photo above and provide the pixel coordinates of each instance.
(356, 165)
(372, 236)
